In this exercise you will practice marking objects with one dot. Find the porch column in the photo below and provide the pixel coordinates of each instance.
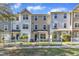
(50, 37)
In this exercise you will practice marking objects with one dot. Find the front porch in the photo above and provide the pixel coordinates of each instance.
(55, 36)
(75, 35)
(15, 36)
(40, 36)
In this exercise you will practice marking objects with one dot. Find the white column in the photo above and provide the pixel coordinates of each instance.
(39, 37)
(50, 37)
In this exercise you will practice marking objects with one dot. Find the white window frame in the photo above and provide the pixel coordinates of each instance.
(54, 15)
(25, 27)
(43, 18)
(74, 24)
(65, 14)
(34, 27)
(35, 17)
(43, 26)
(63, 25)
(5, 26)
(24, 15)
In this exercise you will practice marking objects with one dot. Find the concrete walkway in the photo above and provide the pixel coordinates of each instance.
(66, 46)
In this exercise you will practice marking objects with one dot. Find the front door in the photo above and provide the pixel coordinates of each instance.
(36, 37)
(17, 36)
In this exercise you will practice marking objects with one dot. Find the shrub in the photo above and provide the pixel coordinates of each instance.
(66, 37)
(54, 35)
(24, 37)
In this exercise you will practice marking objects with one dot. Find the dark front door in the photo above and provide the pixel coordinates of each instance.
(17, 36)
(36, 37)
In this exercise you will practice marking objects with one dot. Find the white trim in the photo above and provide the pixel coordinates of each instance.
(74, 25)
(36, 17)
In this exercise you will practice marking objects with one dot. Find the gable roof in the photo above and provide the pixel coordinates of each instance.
(25, 10)
(77, 6)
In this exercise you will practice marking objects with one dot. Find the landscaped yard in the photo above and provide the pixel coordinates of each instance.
(43, 52)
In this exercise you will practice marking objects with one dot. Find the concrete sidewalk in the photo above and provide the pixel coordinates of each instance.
(66, 46)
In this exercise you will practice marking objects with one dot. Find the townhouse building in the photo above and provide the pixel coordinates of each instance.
(36, 26)
(75, 24)
(40, 27)
(21, 25)
(59, 24)
(65, 22)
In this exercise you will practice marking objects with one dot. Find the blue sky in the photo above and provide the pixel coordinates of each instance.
(43, 8)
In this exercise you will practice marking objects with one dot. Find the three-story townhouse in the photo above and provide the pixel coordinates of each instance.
(59, 24)
(22, 25)
(75, 24)
(40, 27)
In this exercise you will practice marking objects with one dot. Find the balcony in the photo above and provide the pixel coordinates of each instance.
(15, 30)
(40, 30)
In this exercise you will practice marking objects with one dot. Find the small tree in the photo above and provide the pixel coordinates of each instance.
(66, 37)
(24, 38)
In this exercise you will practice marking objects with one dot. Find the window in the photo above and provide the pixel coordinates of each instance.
(35, 27)
(55, 16)
(5, 27)
(35, 17)
(44, 17)
(55, 26)
(64, 25)
(42, 36)
(77, 15)
(44, 27)
(25, 26)
(17, 26)
(65, 15)
(77, 25)
(25, 17)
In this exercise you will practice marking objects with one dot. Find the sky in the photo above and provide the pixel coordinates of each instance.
(43, 8)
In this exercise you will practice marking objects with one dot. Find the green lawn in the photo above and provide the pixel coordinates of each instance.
(43, 52)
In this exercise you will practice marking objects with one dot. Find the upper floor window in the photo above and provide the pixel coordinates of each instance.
(77, 25)
(35, 27)
(55, 25)
(65, 15)
(44, 17)
(17, 26)
(5, 27)
(77, 15)
(55, 16)
(35, 17)
(25, 17)
(44, 27)
(25, 26)
(64, 25)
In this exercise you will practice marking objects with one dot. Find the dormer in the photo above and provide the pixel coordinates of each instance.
(25, 14)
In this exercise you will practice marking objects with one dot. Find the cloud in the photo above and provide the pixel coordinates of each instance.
(17, 5)
(35, 8)
(59, 9)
